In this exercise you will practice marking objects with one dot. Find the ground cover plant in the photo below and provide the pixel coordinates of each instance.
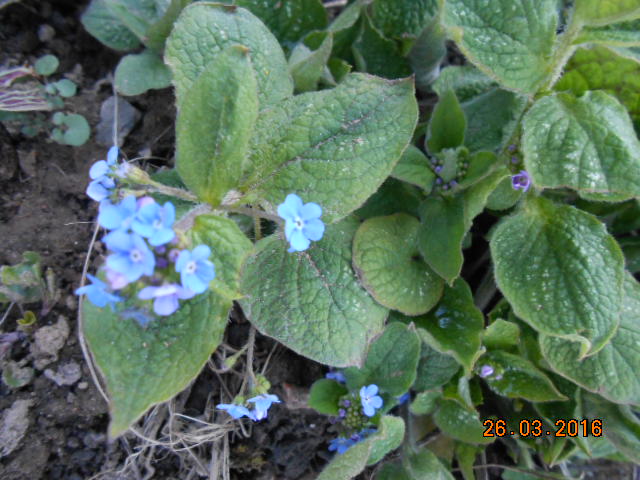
(457, 244)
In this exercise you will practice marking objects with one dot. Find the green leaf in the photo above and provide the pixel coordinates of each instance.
(138, 15)
(386, 259)
(492, 119)
(440, 235)
(460, 422)
(202, 33)
(427, 54)
(66, 88)
(348, 138)
(631, 250)
(455, 327)
(516, 377)
(392, 471)
(75, 131)
(504, 196)
(311, 301)
(393, 196)
(308, 61)
(378, 55)
(158, 32)
(603, 12)
(324, 396)
(501, 334)
(510, 41)
(145, 366)
(137, 73)
(104, 25)
(47, 65)
(215, 123)
(22, 283)
(561, 271)
(392, 360)
(425, 402)
(354, 460)
(610, 36)
(413, 167)
(424, 465)
(613, 371)
(403, 18)
(466, 456)
(434, 369)
(585, 143)
(289, 20)
(599, 68)
(447, 124)
(466, 81)
(230, 248)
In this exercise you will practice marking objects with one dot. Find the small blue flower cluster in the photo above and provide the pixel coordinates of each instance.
(521, 181)
(262, 403)
(139, 232)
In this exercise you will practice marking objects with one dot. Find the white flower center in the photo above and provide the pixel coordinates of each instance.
(157, 224)
(299, 223)
(190, 267)
(136, 255)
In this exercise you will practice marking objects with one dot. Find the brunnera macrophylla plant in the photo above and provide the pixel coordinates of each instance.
(466, 269)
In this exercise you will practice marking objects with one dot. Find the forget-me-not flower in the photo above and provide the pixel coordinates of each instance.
(236, 411)
(485, 371)
(97, 293)
(131, 256)
(100, 186)
(262, 403)
(120, 216)
(337, 376)
(165, 297)
(370, 399)
(302, 222)
(521, 181)
(196, 271)
(155, 222)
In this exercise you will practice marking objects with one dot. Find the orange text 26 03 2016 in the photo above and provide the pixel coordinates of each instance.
(538, 428)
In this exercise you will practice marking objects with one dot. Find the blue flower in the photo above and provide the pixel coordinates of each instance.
(97, 293)
(521, 181)
(262, 404)
(340, 445)
(302, 222)
(370, 400)
(337, 376)
(165, 297)
(132, 257)
(102, 167)
(486, 371)
(100, 189)
(402, 399)
(196, 271)
(155, 223)
(236, 411)
(120, 216)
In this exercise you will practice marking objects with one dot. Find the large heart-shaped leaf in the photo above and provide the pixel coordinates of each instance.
(344, 140)
(510, 40)
(613, 371)
(587, 143)
(561, 271)
(312, 301)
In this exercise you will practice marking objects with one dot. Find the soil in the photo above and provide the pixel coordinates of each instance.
(60, 430)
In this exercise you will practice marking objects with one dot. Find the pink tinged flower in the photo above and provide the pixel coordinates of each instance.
(165, 298)
(116, 280)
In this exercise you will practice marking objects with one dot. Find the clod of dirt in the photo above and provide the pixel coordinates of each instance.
(48, 342)
(128, 116)
(14, 425)
(67, 374)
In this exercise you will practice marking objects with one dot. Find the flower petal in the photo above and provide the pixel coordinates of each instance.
(201, 252)
(183, 258)
(298, 241)
(112, 155)
(313, 229)
(166, 305)
(98, 169)
(291, 207)
(310, 211)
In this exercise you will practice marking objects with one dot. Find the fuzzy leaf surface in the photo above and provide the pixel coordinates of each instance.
(347, 139)
(561, 272)
(512, 41)
(613, 371)
(215, 123)
(137, 73)
(587, 143)
(603, 12)
(202, 32)
(312, 301)
(386, 259)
